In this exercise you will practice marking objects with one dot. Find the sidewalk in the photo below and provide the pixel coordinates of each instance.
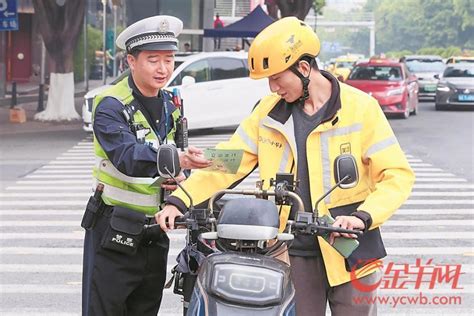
(28, 100)
(28, 92)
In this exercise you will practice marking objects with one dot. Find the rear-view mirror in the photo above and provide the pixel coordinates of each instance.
(187, 80)
(167, 161)
(436, 76)
(345, 171)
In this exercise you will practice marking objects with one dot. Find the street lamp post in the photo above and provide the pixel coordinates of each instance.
(104, 39)
(115, 36)
(86, 71)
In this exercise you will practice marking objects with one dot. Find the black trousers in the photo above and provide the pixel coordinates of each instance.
(313, 292)
(117, 284)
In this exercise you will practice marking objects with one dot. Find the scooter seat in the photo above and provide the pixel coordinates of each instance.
(248, 219)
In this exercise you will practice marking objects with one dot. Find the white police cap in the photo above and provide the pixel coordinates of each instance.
(158, 32)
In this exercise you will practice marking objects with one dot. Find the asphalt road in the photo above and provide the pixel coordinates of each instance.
(45, 183)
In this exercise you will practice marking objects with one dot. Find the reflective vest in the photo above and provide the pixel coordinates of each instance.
(358, 128)
(137, 193)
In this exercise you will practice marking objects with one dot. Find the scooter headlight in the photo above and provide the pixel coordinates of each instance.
(247, 285)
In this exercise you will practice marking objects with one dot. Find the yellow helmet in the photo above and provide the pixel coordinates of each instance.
(280, 45)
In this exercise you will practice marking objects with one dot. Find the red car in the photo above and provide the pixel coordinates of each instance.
(388, 81)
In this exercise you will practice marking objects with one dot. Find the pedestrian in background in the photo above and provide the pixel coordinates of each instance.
(217, 25)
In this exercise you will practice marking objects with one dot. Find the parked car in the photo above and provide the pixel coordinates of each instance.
(425, 68)
(460, 59)
(216, 89)
(388, 81)
(456, 87)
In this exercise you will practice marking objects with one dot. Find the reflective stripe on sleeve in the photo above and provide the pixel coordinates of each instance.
(380, 146)
(247, 140)
(284, 158)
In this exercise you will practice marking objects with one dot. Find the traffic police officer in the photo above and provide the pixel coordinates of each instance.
(124, 266)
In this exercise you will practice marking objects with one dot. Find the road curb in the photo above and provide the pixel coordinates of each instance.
(22, 99)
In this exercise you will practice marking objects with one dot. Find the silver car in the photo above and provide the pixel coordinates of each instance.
(425, 68)
(455, 88)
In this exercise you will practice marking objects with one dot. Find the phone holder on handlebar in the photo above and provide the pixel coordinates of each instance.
(284, 182)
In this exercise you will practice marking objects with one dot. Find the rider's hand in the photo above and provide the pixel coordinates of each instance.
(193, 158)
(346, 222)
(170, 185)
(169, 212)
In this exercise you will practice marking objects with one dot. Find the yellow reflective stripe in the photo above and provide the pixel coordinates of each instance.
(326, 163)
(380, 146)
(247, 140)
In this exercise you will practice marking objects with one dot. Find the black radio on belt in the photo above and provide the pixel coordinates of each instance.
(92, 209)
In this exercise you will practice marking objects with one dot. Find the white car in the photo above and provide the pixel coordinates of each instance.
(215, 87)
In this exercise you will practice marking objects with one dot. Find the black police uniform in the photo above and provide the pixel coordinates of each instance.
(115, 283)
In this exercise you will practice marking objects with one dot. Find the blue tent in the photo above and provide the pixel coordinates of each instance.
(249, 26)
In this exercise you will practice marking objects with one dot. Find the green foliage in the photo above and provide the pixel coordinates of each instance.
(412, 25)
(94, 42)
(444, 52)
(318, 6)
(398, 54)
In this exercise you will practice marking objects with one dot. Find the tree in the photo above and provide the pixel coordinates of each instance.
(299, 8)
(60, 26)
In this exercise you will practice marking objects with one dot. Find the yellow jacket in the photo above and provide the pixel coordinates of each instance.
(358, 127)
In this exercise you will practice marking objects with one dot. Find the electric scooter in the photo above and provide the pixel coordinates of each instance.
(238, 273)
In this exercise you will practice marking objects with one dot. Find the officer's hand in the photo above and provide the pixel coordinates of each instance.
(170, 185)
(167, 214)
(193, 158)
(346, 222)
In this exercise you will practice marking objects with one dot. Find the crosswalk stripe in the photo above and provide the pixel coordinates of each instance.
(82, 158)
(60, 167)
(59, 176)
(433, 174)
(65, 162)
(438, 202)
(434, 211)
(55, 182)
(430, 211)
(68, 212)
(420, 251)
(427, 169)
(443, 186)
(45, 203)
(425, 193)
(62, 171)
(440, 180)
(45, 195)
(426, 235)
(76, 235)
(415, 164)
(76, 154)
(424, 222)
(79, 235)
(45, 188)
